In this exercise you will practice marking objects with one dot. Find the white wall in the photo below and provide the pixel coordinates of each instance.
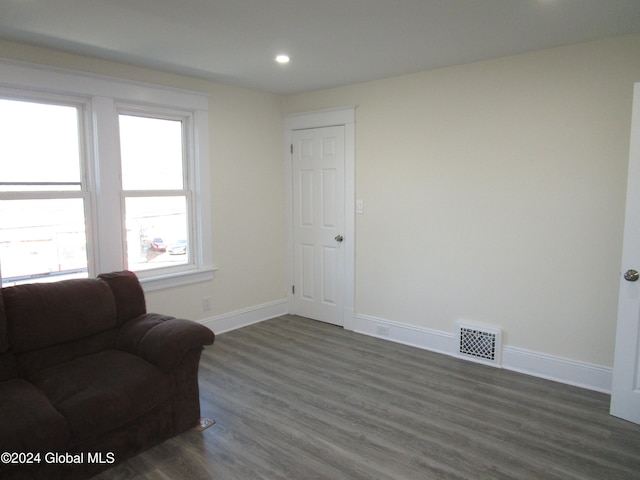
(494, 193)
(247, 189)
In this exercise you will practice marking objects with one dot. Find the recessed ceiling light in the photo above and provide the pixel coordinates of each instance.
(282, 59)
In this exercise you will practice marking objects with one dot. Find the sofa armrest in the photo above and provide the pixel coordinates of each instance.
(162, 340)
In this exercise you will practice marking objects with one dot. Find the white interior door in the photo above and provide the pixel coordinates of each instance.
(625, 391)
(318, 172)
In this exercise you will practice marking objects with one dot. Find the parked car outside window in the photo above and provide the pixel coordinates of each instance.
(158, 245)
(178, 248)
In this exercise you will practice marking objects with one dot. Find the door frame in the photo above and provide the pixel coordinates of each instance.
(344, 117)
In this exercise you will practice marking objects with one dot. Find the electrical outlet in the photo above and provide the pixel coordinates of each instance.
(206, 304)
(382, 330)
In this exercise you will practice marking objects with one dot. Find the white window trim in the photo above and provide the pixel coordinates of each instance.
(104, 95)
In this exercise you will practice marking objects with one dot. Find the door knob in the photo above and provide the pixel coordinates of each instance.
(340, 238)
(631, 275)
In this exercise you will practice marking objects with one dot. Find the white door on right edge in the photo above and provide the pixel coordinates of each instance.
(318, 171)
(625, 391)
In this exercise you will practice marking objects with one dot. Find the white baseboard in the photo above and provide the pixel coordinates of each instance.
(558, 369)
(427, 339)
(249, 316)
(571, 372)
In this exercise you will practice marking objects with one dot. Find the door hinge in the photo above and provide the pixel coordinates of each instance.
(292, 149)
(293, 289)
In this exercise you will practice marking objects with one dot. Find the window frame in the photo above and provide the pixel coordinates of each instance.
(188, 184)
(101, 100)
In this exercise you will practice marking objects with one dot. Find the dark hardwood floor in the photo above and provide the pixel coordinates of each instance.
(299, 399)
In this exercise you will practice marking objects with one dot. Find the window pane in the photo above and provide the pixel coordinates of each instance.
(42, 239)
(157, 232)
(151, 153)
(40, 145)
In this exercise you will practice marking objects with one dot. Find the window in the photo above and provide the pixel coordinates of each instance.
(155, 188)
(101, 175)
(43, 203)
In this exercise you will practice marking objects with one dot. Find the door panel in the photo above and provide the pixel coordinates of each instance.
(318, 220)
(625, 391)
(307, 272)
(330, 259)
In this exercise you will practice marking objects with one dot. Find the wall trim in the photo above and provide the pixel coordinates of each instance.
(424, 338)
(245, 317)
(558, 369)
(542, 365)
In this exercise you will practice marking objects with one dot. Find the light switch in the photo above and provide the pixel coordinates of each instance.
(359, 206)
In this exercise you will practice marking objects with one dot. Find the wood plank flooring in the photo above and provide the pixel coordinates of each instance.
(299, 399)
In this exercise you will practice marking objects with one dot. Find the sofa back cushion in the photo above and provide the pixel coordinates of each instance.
(7, 363)
(4, 340)
(126, 288)
(40, 316)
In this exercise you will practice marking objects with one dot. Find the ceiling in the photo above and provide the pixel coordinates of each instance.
(330, 42)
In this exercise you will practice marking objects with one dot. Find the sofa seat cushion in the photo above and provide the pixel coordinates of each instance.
(29, 423)
(103, 391)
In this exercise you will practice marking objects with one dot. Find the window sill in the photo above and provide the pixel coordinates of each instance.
(172, 280)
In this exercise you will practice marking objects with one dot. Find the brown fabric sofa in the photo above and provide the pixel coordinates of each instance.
(88, 378)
